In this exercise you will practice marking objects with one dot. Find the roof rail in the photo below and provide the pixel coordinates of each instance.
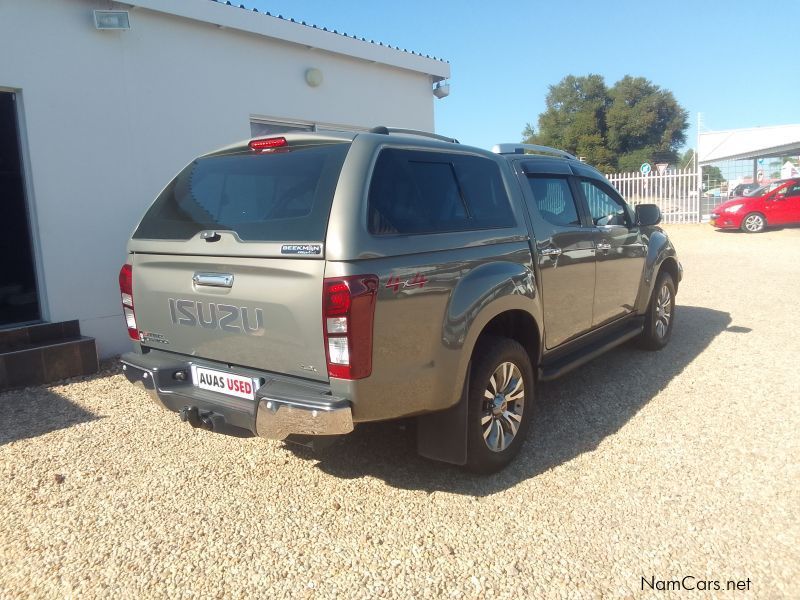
(387, 130)
(521, 148)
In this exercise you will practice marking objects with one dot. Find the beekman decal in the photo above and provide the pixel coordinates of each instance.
(303, 249)
(395, 283)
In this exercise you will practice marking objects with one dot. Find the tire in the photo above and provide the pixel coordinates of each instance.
(497, 427)
(753, 223)
(660, 316)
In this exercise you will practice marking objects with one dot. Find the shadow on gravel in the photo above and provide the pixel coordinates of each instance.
(574, 415)
(31, 412)
(34, 411)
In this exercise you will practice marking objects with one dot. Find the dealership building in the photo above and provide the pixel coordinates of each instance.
(101, 103)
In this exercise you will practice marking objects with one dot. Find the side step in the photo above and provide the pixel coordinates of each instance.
(564, 364)
(43, 353)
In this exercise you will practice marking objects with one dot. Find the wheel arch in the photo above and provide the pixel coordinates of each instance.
(509, 316)
(517, 325)
(670, 265)
(660, 255)
(442, 435)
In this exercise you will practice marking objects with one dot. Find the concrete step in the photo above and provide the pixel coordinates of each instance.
(43, 353)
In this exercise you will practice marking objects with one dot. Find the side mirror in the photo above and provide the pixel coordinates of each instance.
(648, 215)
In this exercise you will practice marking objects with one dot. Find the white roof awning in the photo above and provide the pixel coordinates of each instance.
(756, 142)
(239, 18)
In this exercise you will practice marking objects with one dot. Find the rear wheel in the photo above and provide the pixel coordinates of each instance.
(501, 397)
(660, 314)
(754, 223)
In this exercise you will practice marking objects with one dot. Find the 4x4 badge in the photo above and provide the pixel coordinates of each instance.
(395, 283)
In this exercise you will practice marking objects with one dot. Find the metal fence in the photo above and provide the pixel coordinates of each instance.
(675, 192)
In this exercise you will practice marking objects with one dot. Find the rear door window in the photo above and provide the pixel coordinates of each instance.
(417, 192)
(269, 196)
(555, 201)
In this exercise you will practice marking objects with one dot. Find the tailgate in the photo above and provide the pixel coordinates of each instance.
(269, 318)
(228, 262)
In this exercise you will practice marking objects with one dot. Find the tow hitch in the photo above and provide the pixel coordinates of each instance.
(192, 416)
(210, 422)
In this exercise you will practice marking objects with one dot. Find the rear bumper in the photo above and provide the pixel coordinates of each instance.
(282, 407)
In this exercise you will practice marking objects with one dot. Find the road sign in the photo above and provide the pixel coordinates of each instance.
(645, 168)
(662, 167)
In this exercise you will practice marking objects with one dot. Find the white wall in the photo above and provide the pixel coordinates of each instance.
(110, 117)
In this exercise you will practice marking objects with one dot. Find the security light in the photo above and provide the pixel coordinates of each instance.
(441, 90)
(313, 77)
(112, 19)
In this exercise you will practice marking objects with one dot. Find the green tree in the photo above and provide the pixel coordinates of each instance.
(712, 176)
(686, 160)
(615, 129)
(643, 120)
(574, 119)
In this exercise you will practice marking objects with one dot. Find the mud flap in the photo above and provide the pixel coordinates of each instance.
(443, 435)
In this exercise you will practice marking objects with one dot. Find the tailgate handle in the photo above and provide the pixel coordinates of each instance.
(213, 279)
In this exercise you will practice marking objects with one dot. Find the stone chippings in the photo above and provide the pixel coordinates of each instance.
(683, 462)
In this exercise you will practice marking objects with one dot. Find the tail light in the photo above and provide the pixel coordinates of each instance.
(348, 308)
(268, 143)
(126, 292)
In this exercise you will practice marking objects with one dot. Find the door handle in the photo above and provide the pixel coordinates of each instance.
(552, 252)
(603, 246)
(213, 279)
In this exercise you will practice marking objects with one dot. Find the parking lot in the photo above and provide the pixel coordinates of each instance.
(641, 465)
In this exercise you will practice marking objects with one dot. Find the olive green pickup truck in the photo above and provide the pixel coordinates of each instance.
(295, 286)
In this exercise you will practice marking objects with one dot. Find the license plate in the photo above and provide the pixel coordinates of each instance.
(224, 383)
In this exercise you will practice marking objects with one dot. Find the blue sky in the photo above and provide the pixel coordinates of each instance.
(736, 62)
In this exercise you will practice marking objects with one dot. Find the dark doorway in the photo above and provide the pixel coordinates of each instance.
(19, 301)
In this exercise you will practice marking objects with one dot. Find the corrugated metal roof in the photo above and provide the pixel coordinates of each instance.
(344, 34)
(735, 144)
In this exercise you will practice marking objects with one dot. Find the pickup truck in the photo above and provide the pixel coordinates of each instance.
(291, 287)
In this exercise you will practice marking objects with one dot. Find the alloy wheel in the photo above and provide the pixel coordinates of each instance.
(663, 311)
(503, 403)
(754, 223)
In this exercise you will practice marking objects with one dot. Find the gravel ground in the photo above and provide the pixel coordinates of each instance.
(641, 465)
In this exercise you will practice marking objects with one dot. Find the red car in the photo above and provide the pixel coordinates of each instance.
(777, 203)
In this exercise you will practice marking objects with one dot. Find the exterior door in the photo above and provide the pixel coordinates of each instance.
(621, 253)
(19, 302)
(793, 203)
(784, 207)
(566, 254)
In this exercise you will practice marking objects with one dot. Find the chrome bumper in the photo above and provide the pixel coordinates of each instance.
(277, 419)
(282, 407)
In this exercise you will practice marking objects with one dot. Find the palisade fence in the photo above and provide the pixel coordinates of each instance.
(675, 192)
